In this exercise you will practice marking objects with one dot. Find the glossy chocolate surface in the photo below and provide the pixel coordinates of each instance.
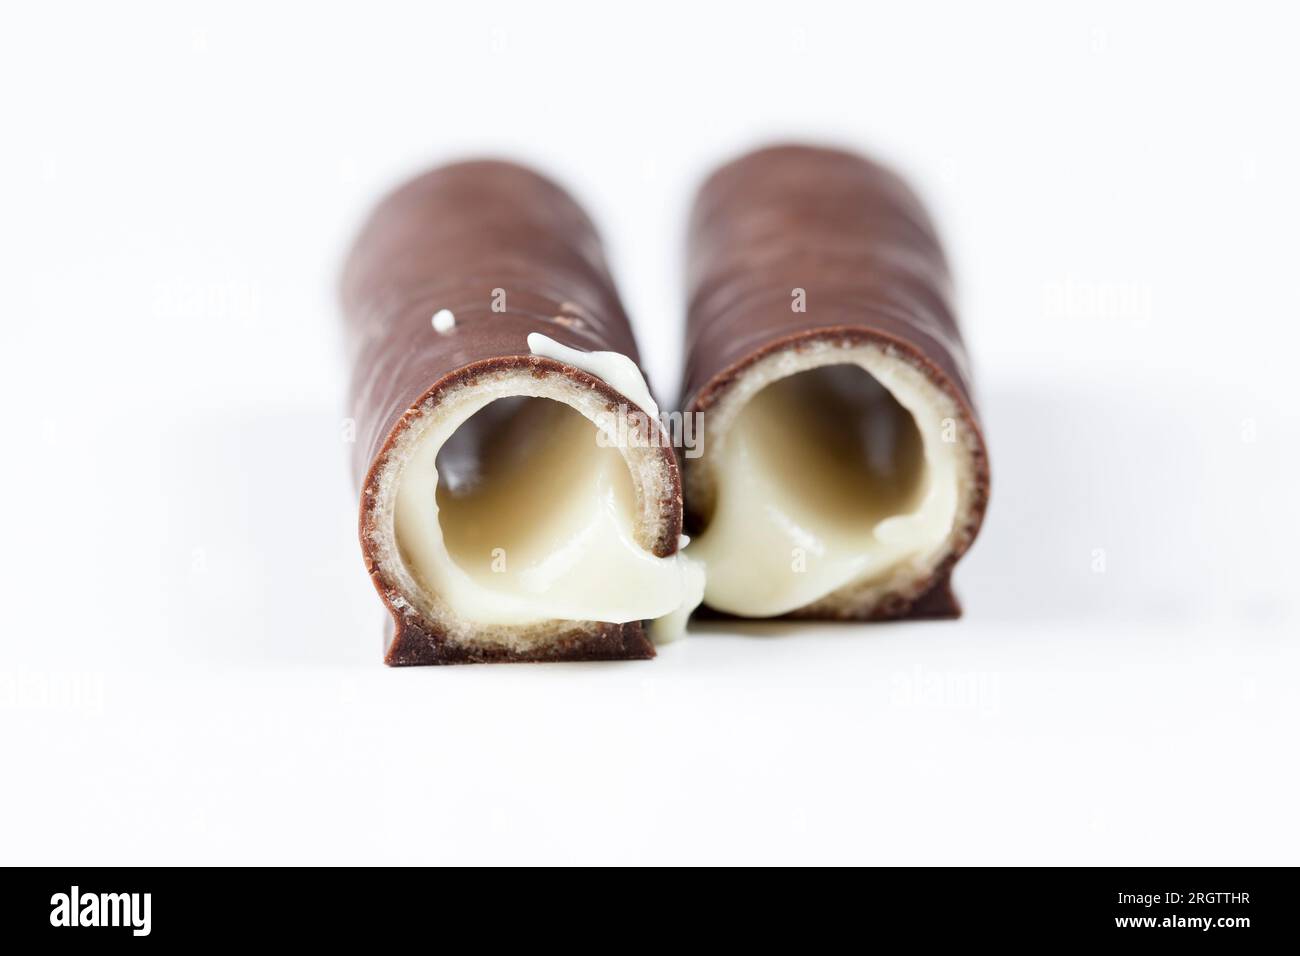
(854, 242)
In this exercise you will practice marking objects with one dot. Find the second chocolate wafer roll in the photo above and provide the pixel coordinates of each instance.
(843, 470)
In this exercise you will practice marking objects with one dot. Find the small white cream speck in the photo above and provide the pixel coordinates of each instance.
(444, 320)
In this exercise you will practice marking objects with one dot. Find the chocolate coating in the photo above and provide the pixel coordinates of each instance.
(508, 252)
(857, 240)
(447, 240)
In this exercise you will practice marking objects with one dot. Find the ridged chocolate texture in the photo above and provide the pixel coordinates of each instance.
(465, 238)
(856, 239)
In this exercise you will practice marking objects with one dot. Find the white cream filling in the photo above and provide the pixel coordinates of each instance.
(828, 470)
(529, 516)
(671, 626)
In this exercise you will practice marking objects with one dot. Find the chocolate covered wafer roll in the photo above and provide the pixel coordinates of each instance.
(519, 501)
(843, 472)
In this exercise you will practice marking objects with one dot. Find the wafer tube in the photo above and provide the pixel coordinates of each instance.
(519, 500)
(843, 471)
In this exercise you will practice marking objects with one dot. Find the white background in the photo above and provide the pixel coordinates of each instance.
(190, 668)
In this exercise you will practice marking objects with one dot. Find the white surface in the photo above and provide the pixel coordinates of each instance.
(190, 659)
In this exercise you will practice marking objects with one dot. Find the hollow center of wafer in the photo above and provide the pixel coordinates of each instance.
(520, 509)
(830, 469)
(524, 488)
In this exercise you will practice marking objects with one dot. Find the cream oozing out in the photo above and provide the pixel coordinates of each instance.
(614, 368)
(831, 468)
(512, 510)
